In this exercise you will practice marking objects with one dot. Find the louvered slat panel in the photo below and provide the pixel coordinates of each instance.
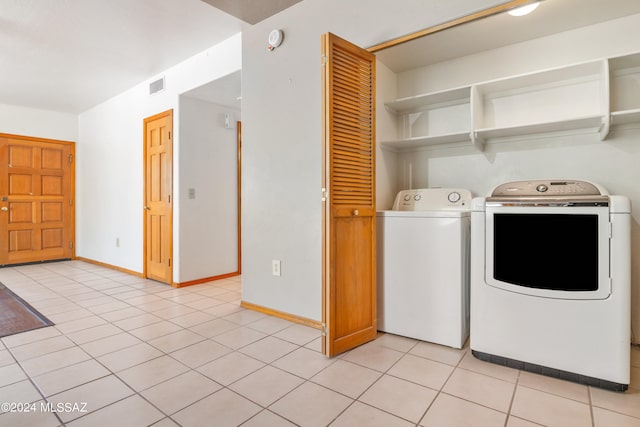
(354, 121)
(352, 104)
(362, 182)
(350, 156)
(343, 141)
(348, 135)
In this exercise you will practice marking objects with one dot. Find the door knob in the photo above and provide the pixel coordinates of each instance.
(4, 209)
(356, 212)
(147, 208)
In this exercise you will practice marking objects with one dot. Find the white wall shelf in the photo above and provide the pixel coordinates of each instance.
(625, 117)
(591, 123)
(463, 138)
(432, 119)
(431, 100)
(625, 89)
(585, 97)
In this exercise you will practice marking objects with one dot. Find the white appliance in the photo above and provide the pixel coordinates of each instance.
(423, 265)
(550, 280)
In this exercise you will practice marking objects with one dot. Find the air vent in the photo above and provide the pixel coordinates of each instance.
(156, 86)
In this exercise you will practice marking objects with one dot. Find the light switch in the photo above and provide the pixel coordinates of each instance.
(192, 193)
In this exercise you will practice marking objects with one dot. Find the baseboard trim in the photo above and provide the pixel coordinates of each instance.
(281, 314)
(173, 284)
(205, 279)
(112, 267)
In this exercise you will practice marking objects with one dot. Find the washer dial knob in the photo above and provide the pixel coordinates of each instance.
(541, 188)
(454, 197)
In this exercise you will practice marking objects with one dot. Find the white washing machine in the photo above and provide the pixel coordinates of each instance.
(423, 266)
(550, 280)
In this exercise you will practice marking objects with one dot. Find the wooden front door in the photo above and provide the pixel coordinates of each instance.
(349, 256)
(158, 197)
(36, 199)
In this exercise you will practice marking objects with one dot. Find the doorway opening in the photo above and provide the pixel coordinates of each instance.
(210, 169)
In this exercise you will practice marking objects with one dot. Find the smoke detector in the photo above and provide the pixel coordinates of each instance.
(275, 39)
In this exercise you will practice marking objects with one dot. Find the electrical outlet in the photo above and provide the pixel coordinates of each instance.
(117, 242)
(275, 267)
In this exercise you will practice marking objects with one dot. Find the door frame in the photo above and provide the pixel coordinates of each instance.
(146, 121)
(72, 180)
(512, 4)
(239, 193)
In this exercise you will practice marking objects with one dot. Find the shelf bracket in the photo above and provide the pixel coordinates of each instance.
(605, 127)
(478, 143)
(390, 110)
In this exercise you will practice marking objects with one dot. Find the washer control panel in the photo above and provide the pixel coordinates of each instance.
(432, 199)
(454, 197)
(548, 188)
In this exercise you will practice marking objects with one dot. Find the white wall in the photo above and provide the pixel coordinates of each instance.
(611, 38)
(282, 136)
(387, 162)
(109, 181)
(208, 165)
(38, 123)
(613, 163)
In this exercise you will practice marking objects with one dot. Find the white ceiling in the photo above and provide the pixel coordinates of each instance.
(70, 55)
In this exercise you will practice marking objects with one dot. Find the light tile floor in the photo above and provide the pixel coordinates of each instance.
(140, 353)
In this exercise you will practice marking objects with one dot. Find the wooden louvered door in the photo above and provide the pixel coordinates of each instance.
(36, 199)
(349, 278)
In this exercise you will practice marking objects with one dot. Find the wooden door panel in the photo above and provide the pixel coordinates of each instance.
(353, 250)
(20, 185)
(20, 213)
(52, 159)
(157, 188)
(51, 212)
(20, 156)
(52, 185)
(52, 238)
(155, 238)
(349, 287)
(20, 240)
(36, 193)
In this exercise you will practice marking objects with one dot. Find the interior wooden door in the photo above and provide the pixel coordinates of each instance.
(36, 200)
(349, 255)
(158, 212)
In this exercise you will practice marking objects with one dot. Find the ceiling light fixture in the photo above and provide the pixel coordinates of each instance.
(524, 10)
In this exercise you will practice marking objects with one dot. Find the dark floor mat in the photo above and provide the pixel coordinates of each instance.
(16, 315)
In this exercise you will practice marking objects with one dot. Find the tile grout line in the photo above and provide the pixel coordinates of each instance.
(441, 389)
(513, 398)
(591, 413)
(28, 378)
(239, 379)
(238, 350)
(109, 370)
(383, 373)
